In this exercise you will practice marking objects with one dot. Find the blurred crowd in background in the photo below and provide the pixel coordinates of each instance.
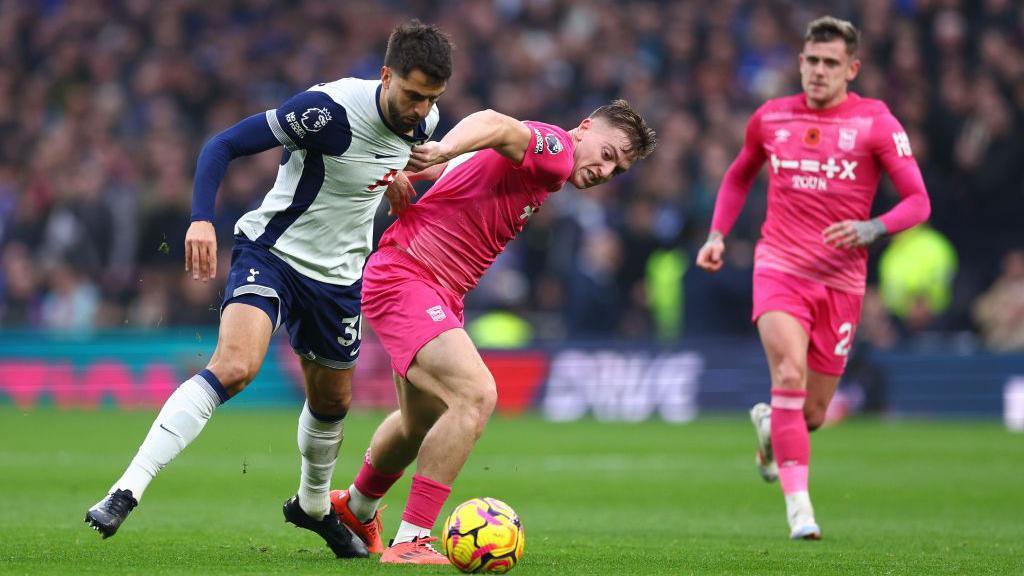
(104, 106)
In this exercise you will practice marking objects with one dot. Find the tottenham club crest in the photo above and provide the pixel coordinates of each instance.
(314, 119)
(847, 138)
(554, 144)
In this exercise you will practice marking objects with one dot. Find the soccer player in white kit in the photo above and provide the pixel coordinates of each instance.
(298, 260)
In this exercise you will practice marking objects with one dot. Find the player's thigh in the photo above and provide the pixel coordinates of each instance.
(242, 343)
(450, 368)
(325, 322)
(820, 390)
(834, 331)
(785, 345)
(420, 409)
(328, 390)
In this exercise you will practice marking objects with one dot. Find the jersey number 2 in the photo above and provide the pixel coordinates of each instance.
(845, 333)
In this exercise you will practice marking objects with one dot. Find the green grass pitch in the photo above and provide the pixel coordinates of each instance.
(595, 498)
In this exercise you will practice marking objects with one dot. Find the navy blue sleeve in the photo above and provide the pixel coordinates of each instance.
(312, 121)
(250, 136)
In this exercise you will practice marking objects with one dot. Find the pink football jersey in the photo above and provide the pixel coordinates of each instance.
(481, 201)
(824, 166)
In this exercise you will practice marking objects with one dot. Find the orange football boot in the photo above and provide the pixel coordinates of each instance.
(419, 551)
(368, 532)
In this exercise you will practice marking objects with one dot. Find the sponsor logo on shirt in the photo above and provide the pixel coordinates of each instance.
(528, 211)
(831, 170)
(538, 147)
(847, 138)
(902, 142)
(436, 313)
(293, 123)
(813, 136)
(314, 119)
(554, 144)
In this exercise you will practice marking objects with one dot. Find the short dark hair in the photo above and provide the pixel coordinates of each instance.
(829, 28)
(415, 45)
(619, 114)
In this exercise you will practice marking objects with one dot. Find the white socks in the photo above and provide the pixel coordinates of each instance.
(319, 442)
(798, 508)
(361, 505)
(180, 420)
(409, 532)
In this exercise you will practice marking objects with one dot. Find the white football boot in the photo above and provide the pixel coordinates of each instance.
(800, 514)
(761, 418)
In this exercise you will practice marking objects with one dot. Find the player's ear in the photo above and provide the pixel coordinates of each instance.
(586, 124)
(853, 70)
(385, 76)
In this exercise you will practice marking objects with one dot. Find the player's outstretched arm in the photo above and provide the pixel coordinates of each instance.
(485, 129)
(249, 136)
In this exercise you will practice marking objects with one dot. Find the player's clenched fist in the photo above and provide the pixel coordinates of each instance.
(201, 251)
(426, 155)
(399, 193)
(710, 256)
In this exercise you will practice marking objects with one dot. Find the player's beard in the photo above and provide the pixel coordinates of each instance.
(395, 118)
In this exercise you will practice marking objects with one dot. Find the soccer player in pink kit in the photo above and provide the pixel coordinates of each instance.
(494, 173)
(826, 149)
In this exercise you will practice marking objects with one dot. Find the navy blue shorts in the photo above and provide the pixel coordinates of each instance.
(323, 320)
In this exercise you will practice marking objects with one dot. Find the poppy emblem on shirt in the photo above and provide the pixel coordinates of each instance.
(554, 144)
(813, 136)
(314, 119)
(847, 138)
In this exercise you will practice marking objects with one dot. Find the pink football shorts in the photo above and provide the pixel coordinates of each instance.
(405, 305)
(829, 316)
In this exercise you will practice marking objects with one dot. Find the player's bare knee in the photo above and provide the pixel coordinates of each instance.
(234, 374)
(815, 417)
(334, 406)
(483, 402)
(790, 375)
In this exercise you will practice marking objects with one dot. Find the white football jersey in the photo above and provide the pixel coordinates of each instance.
(339, 157)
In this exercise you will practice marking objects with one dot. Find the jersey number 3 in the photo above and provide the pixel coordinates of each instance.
(353, 331)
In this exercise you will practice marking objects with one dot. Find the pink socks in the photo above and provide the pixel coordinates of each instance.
(426, 497)
(791, 442)
(372, 483)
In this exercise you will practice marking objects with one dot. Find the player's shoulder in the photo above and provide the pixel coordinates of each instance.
(790, 103)
(870, 106)
(548, 138)
(348, 90)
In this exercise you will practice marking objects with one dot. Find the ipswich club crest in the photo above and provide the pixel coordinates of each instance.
(314, 119)
(847, 138)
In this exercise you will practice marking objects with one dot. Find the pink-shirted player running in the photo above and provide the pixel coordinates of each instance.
(493, 172)
(826, 149)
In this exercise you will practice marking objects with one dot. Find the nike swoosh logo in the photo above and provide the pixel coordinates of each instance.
(354, 352)
(379, 156)
(171, 432)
